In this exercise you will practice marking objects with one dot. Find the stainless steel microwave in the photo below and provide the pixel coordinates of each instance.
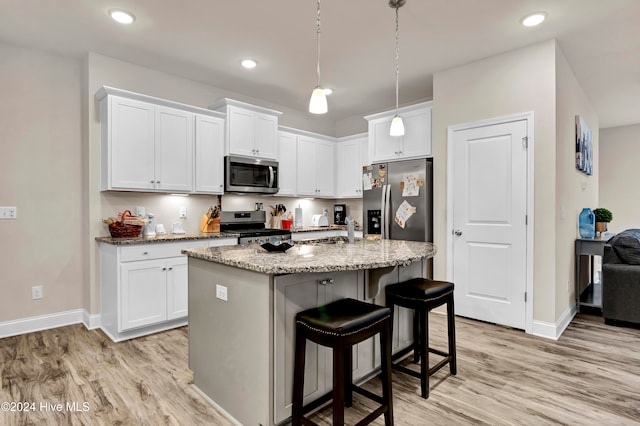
(243, 174)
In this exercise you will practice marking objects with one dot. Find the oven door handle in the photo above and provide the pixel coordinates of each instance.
(271, 176)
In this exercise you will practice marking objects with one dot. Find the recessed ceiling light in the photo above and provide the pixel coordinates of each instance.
(249, 63)
(122, 16)
(327, 91)
(533, 19)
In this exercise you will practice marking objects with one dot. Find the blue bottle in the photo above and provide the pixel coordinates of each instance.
(587, 223)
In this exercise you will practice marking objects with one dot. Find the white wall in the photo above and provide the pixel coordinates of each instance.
(574, 189)
(514, 82)
(40, 171)
(619, 175)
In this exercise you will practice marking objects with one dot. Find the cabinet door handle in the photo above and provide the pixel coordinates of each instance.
(164, 269)
(171, 268)
(325, 281)
(145, 253)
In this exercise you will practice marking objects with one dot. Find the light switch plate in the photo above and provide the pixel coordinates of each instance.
(182, 212)
(221, 292)
(8, 212)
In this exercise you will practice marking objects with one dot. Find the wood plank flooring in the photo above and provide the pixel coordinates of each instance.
(590, 376)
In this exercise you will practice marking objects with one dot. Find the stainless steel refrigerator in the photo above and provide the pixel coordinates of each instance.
(398, 200)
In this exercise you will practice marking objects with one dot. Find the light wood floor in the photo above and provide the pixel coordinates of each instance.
(590, 376)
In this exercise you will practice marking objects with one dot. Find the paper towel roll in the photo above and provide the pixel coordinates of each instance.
(297, 219)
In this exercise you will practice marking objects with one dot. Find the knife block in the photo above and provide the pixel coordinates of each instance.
(213, 227)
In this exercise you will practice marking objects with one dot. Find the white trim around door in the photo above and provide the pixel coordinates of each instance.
(529, 117)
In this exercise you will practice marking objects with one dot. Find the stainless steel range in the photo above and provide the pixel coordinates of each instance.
(251, 227)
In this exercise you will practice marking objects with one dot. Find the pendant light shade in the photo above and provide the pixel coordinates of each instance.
(397, 125)
(318, 101)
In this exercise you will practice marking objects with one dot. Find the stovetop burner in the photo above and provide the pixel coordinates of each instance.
(250, 225)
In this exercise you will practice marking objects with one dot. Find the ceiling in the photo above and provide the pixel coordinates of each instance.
(204, 40)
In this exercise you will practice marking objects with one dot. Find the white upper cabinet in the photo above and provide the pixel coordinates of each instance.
(315, 167)
(173, 149)
(251, 131)
(351, 155)
(128, 144)
(416, 142)
(147, 144)
(209, 155)
(287, 164)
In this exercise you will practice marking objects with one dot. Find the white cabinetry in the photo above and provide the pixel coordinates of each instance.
(147, 144)
(173, 149)
(295, 293)
(251, 131)
(416, 142)
(287, 164)
(143, 287)
(351, 155)
(209, 155)
(315, 167)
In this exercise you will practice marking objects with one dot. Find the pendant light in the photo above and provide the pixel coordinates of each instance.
(318, 101)
(397, 126)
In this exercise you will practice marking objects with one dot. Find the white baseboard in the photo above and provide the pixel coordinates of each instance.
(45, 322)
(554, 330)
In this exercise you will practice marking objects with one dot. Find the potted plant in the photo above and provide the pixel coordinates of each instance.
(603, 216)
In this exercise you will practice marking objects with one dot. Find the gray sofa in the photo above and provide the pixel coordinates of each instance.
(621, 279)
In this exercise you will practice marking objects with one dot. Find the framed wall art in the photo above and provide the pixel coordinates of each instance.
(584, 147)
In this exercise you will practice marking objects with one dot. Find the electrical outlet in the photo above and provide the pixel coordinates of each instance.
(140, 211)
(8, 212)
(182, 212)
(36, 292)
(221, 292)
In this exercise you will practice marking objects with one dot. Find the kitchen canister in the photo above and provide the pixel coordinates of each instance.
(587, 223)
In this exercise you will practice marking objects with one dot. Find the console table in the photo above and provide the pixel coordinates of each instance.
(591, 295)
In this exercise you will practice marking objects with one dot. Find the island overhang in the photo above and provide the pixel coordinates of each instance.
(319, 257)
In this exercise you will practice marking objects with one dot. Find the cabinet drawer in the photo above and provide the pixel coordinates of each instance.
(157, 251)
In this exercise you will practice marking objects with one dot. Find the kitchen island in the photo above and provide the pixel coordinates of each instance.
(242, 304)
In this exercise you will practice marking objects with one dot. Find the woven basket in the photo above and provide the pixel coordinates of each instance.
(123, 230)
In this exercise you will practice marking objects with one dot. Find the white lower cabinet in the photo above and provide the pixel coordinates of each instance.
(295, 293)
(143, 294)
(144, 287)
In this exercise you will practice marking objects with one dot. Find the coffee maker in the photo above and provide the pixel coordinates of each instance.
(339, 214)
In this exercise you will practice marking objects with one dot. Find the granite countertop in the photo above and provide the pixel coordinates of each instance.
(165, 238)
(322, 228)
(327, 256)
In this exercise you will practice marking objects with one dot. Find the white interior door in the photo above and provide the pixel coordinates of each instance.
(489, 222)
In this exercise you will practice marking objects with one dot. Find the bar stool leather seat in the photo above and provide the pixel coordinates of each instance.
(340, 325)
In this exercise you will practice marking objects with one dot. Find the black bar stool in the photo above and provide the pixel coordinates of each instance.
(422, 295)
(340, 325)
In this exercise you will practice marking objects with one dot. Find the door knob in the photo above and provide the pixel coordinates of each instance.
(457, 232)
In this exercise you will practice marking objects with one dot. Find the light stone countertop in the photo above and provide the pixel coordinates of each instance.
(322, 228)
(165, 238)
(318, 257)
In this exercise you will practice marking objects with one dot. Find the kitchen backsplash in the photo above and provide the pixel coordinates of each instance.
(166, 208)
